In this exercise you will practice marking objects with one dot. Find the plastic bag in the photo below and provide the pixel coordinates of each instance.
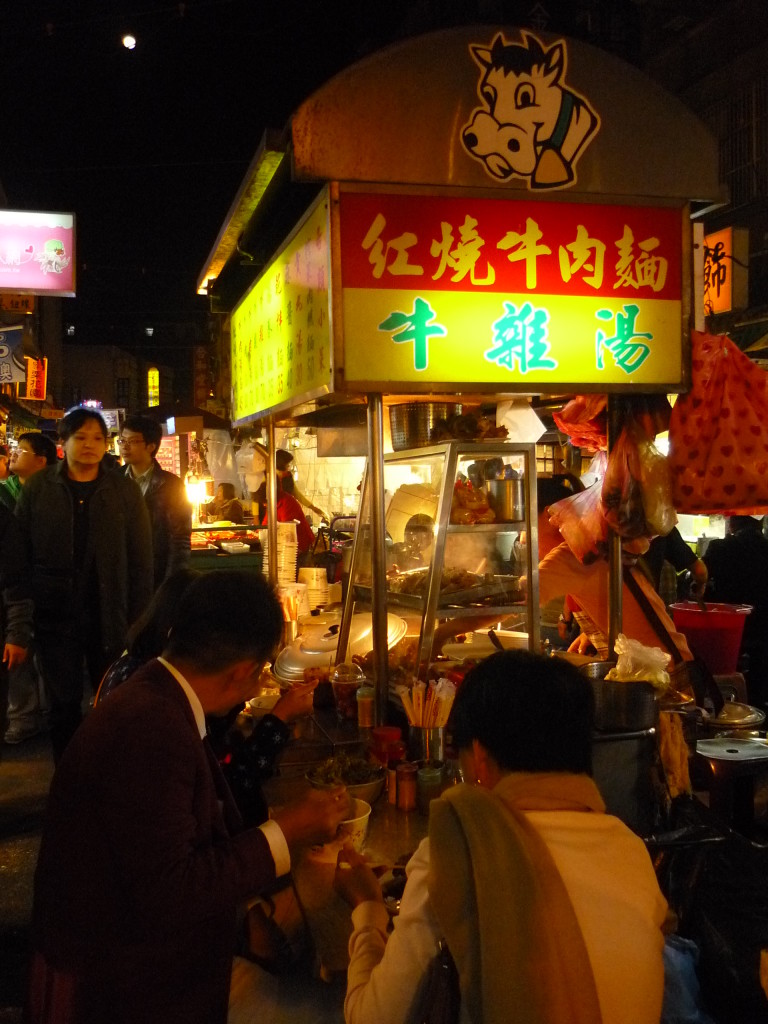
(656, 486)
(640, 663)
(584, 420)
(579, 518)
(718, 432)
(622, 492)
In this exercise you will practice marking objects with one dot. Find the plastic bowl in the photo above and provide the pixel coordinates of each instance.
(355, 828)
(368, 791)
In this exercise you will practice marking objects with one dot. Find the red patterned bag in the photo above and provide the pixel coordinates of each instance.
(718, 433)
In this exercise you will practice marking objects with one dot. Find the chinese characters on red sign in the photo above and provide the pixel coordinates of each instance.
(531, 271)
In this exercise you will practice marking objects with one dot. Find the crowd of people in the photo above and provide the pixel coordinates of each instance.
(157, 832)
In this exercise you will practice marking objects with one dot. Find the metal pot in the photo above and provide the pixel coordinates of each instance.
(412, 423)
(507, 499)
(620, 706)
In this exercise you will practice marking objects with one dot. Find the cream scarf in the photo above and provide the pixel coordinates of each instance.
(503, 906)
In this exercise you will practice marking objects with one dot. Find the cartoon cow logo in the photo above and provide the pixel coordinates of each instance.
(530, 124)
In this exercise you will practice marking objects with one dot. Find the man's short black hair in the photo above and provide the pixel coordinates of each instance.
(149, 429)
(42, 445)
(75, 418)
(225, 616)
(531, 713)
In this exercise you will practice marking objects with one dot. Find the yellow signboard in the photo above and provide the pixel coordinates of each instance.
(281, 342)
(515, 342)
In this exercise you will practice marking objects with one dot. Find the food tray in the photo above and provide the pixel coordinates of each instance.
(501, 590)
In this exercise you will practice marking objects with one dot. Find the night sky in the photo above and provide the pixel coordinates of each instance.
(149, 146)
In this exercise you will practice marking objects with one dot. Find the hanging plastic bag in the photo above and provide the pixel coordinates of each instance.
(579, 517)
(656, 486)
(622, 492)
(584, 420)
(718, 433)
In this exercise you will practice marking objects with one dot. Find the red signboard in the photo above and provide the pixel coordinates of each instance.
(37, 379)
(489, 245)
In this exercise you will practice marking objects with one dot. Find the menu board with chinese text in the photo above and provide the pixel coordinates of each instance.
(281, 342)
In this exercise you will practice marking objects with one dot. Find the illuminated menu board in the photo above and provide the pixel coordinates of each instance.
(516, 294)
(281, 341)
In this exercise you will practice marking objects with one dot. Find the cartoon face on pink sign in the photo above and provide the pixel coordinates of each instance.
(37, 252)
(530, 124)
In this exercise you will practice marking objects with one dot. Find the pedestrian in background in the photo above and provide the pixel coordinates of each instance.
(88, 539)
(15, 602)
(738, 574)
(26, 701)
(170, 512)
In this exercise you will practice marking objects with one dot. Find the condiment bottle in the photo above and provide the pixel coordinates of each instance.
(429, 784)
(406, 786)
(365, 705)
(392, 781)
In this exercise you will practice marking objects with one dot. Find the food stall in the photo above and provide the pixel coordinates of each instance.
(412, 247)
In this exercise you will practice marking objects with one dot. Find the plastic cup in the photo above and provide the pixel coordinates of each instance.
(345, 682)
(355, 828)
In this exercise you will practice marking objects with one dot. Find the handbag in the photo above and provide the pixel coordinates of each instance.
(440, 996)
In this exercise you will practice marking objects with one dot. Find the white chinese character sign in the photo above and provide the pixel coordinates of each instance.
(509, 293)
(280, 335)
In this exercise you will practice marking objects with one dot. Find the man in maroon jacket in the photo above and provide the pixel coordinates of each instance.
(144, 860)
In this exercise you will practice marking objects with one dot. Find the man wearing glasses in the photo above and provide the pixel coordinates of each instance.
(169, 511)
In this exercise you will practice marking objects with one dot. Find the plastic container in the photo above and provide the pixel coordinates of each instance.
(429, 785)
(507, 499)
(713, 635)
(406, 785)
(345, 681)
(355, 828)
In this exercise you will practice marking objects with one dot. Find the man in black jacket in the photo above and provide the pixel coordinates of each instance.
(88, 538)
(169, 510)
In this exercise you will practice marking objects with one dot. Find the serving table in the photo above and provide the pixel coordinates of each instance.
(392, 836)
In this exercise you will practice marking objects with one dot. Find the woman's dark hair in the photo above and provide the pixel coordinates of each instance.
(227, 490)
(225, 616)
(283, 459)
(148, 635)
(531, 713)
(75, 418)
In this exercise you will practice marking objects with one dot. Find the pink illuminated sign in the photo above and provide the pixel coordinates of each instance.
(37, 253)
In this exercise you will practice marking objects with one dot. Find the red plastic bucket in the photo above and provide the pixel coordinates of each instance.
(713, 635)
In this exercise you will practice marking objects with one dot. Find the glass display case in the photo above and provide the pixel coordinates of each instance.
(461, 548)
(219, 546)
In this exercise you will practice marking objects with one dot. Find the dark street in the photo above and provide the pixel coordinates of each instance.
(25, 775)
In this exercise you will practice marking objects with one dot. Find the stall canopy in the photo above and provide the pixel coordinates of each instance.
(589, 202)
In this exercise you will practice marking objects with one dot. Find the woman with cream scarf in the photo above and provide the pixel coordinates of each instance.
(549, 905)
